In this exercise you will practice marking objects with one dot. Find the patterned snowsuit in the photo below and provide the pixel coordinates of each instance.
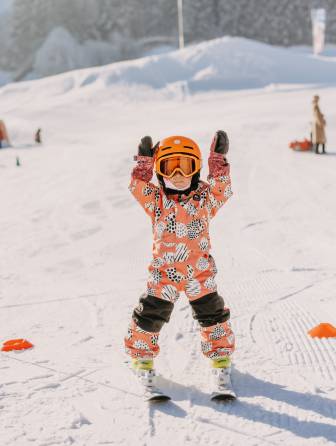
(181, 261)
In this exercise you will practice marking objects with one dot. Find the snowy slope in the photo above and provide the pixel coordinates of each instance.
(75, 247)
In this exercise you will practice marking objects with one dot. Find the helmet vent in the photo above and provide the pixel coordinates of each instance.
(188, 147)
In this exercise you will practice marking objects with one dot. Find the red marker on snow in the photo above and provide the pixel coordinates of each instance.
(16, 344)
(323, 330)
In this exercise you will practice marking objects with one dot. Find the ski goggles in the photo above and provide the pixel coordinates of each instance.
(187, 165)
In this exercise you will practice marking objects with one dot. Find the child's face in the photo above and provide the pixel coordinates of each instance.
(180, 182)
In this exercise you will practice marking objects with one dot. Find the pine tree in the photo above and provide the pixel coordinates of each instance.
(200, 23)
(20, 31)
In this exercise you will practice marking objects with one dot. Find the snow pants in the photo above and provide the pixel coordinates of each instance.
(217, 338)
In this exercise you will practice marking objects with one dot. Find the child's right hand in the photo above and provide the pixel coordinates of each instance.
(145, 148)
(145, 161)
(220, 142)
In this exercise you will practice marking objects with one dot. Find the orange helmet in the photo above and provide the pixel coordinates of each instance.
(177, 154)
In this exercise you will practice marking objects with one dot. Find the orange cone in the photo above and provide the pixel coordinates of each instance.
(323, 330)
(16, 344)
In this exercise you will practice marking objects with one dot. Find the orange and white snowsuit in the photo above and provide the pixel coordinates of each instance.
(181, 261)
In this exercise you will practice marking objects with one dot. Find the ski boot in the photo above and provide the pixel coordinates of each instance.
(144, 370)
(221, 374)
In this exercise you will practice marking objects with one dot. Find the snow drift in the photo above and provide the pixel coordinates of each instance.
(227, 63)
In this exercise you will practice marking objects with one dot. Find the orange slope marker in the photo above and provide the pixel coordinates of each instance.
(323, 330)
(16, 344)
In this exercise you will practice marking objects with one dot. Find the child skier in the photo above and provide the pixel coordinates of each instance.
(181, 208)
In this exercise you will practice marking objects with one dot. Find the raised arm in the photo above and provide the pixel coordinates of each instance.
(146, 193)
(219, 173)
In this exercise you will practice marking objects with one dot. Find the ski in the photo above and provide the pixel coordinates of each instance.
(155, 395)
(225, 395)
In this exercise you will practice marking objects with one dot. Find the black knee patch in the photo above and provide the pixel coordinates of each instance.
(209, 310)
(152, 313)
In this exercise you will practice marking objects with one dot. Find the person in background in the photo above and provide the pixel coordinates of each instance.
(318, 127)
(38, 138)
(4, 139)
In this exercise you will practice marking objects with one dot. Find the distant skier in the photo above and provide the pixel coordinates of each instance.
(4, 138)
(318, 127)
(38, 138)
(181, 208)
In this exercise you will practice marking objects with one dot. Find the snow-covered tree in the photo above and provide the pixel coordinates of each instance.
(128, 24)
(201, 19)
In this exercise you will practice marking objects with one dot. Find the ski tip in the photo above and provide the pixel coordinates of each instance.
(224, 398)
(158, 398)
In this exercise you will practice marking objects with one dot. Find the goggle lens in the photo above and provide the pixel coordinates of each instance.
(186, 165)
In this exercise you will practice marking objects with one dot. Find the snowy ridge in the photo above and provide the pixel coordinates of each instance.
(75, 248)
(225, 63)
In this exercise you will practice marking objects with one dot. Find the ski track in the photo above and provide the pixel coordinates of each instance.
(61, 238)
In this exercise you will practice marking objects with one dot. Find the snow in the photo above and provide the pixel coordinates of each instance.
(226, 63)
(75, 246)
(159, 49)
(329, 50)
